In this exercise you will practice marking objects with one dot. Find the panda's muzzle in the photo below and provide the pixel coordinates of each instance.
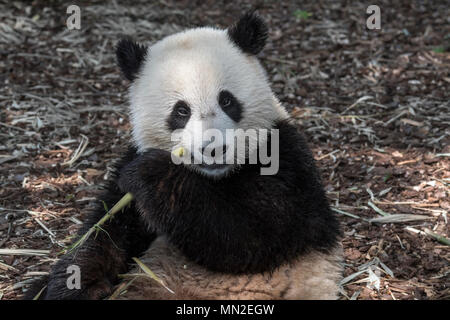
(210, 156)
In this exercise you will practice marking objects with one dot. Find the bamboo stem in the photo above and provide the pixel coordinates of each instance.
(125, 200)
(437, 237)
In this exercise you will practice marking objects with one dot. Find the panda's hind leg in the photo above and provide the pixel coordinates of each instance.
(311, 276)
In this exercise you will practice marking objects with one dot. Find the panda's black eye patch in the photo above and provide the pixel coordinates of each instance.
(230, 105)
(179, 116)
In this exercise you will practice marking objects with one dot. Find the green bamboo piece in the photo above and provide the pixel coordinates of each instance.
(124, 201)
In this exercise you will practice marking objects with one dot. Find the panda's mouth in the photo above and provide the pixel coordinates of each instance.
(216, 170)
(213, 166)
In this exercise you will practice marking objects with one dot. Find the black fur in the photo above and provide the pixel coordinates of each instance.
(233, 108)
(103, 256)
(249, 33)
(36, 287)
(244, 223)
(130, 56)
(177, 120)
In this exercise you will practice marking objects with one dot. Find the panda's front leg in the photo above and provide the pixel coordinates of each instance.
(90, 271)
(93, 265)
(99, 260)
(102, 257)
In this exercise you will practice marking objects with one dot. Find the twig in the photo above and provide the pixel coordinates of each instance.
(151, 274)
(125, 200)
(7, 267)
(83, 144)
(36, 297)
(393, 218)
(24, 252)
(327, 155)
(347, 213)
(374, 207)
(431, 234)
(437, 237)
(44, 227)
(12, 127)
(362, 99)
(121, 288)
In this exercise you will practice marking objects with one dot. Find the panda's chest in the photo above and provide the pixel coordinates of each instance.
(313, 275)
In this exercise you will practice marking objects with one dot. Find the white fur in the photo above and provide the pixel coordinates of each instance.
(195, 66)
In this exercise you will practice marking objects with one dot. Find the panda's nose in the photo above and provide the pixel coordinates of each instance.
(211, 151)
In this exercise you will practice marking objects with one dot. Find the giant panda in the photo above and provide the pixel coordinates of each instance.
(206, 230)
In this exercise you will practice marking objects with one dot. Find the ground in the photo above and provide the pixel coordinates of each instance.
(373, 104)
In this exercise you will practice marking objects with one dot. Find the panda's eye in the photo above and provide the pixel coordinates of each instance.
(225, 101)
(182, 109)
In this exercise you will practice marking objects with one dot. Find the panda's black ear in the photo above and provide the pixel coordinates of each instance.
(130, 56)
(249, 33)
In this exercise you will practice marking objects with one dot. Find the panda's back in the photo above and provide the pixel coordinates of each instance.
(312, 276)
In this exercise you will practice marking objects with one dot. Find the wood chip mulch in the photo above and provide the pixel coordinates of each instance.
(374, 105)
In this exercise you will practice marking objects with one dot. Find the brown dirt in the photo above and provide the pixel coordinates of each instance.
(390, 151)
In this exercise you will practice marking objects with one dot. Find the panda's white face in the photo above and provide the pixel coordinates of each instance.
(194, 81)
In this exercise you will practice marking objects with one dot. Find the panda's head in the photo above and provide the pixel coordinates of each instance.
(196, 80)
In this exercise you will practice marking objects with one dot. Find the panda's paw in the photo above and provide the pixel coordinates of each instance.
(150, 166)
(68, 281)
(59, 290)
